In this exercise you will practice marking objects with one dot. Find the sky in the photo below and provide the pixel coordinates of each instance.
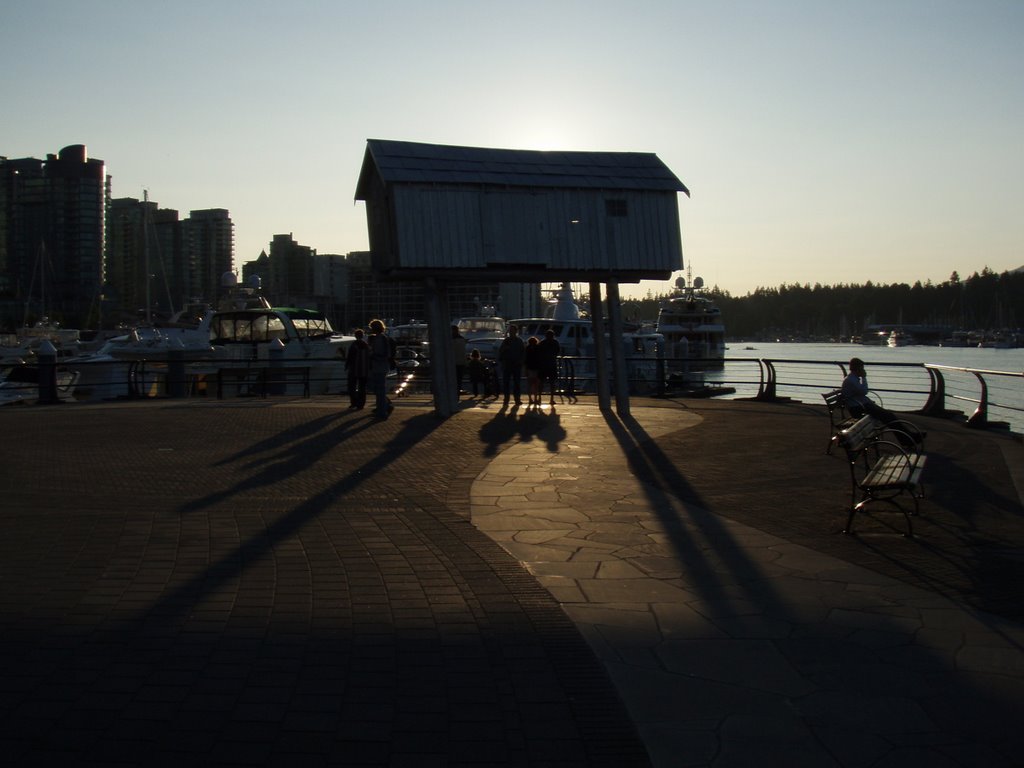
(822, 142)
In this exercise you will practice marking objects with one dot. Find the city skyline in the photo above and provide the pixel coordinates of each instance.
(821, 144)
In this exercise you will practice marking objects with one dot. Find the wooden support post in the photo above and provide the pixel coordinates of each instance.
(600, 356)
(618, 357)
(442, 364)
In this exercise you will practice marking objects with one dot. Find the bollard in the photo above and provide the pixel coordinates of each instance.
(276, 359)
(176, 371)
(47, 355)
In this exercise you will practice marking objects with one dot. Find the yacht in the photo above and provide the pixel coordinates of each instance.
(575, 335)
(898, 338)
(242, 337)
(692, 326)
(22, 346)
(483, 332)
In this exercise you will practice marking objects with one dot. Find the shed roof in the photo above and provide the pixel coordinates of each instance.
(412, 162)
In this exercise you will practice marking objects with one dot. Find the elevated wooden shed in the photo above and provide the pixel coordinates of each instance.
(442, 214)
(519, 215)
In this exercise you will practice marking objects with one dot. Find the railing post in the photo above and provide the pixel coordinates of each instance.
(47, 355)
(979, 418)
(176, 372)
(275, 357)
(767, 389)
(936, 403)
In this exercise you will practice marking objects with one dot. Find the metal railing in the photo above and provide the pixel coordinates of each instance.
(998, 391)
(994, 398)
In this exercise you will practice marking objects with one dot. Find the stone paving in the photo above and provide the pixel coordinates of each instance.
(736, 647)
(284, 582)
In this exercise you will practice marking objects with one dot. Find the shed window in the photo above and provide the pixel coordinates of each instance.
(616, 208)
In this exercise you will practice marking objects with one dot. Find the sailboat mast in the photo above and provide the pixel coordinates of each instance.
(145, 250)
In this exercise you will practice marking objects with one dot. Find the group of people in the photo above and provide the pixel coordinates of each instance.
(370, 358)
(538, 358)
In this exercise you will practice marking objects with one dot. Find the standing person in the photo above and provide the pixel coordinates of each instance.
(357, 364)
(549, 350)
(459, 353)
(381, 356)
(531, 362)
(510, 355)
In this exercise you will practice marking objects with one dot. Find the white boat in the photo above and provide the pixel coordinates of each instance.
(412, 347)
(692, 326)
(410, 334)
(899, 339)
(575, 336)
(22, 346)
(238, 343)
(483, 332)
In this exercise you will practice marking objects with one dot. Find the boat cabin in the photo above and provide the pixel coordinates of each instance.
(265, 325)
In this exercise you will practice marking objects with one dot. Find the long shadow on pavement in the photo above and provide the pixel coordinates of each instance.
(851, 677)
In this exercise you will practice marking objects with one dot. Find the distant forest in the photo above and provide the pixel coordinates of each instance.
(985, 301)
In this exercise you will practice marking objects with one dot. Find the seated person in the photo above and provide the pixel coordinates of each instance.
(855, 395)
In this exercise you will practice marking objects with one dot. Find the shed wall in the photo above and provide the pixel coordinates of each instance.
(473, 228)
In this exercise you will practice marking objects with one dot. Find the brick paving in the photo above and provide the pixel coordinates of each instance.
(259, 584)
(285, 582)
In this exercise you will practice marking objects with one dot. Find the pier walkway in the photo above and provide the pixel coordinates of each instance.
(285, 582)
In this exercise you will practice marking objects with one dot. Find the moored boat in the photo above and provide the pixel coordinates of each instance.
(575, 335)
(483, 332)
(235, 343)
(692, 326)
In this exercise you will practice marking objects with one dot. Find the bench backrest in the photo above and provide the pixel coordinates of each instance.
(833, 399)
(836, 405)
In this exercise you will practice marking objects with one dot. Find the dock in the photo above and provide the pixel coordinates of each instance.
(284, 581)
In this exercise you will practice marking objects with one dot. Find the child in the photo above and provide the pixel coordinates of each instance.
(477, 373)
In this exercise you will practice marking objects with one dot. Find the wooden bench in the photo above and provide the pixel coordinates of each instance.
(839, 418)
(881, 469)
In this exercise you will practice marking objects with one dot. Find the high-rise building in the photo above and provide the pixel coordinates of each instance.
(146, 271)
(52, 218)
(209, 242)
(291, 270)
(330, 286)
(296, 275)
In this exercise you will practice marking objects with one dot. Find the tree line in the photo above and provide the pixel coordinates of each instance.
(985, 301)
